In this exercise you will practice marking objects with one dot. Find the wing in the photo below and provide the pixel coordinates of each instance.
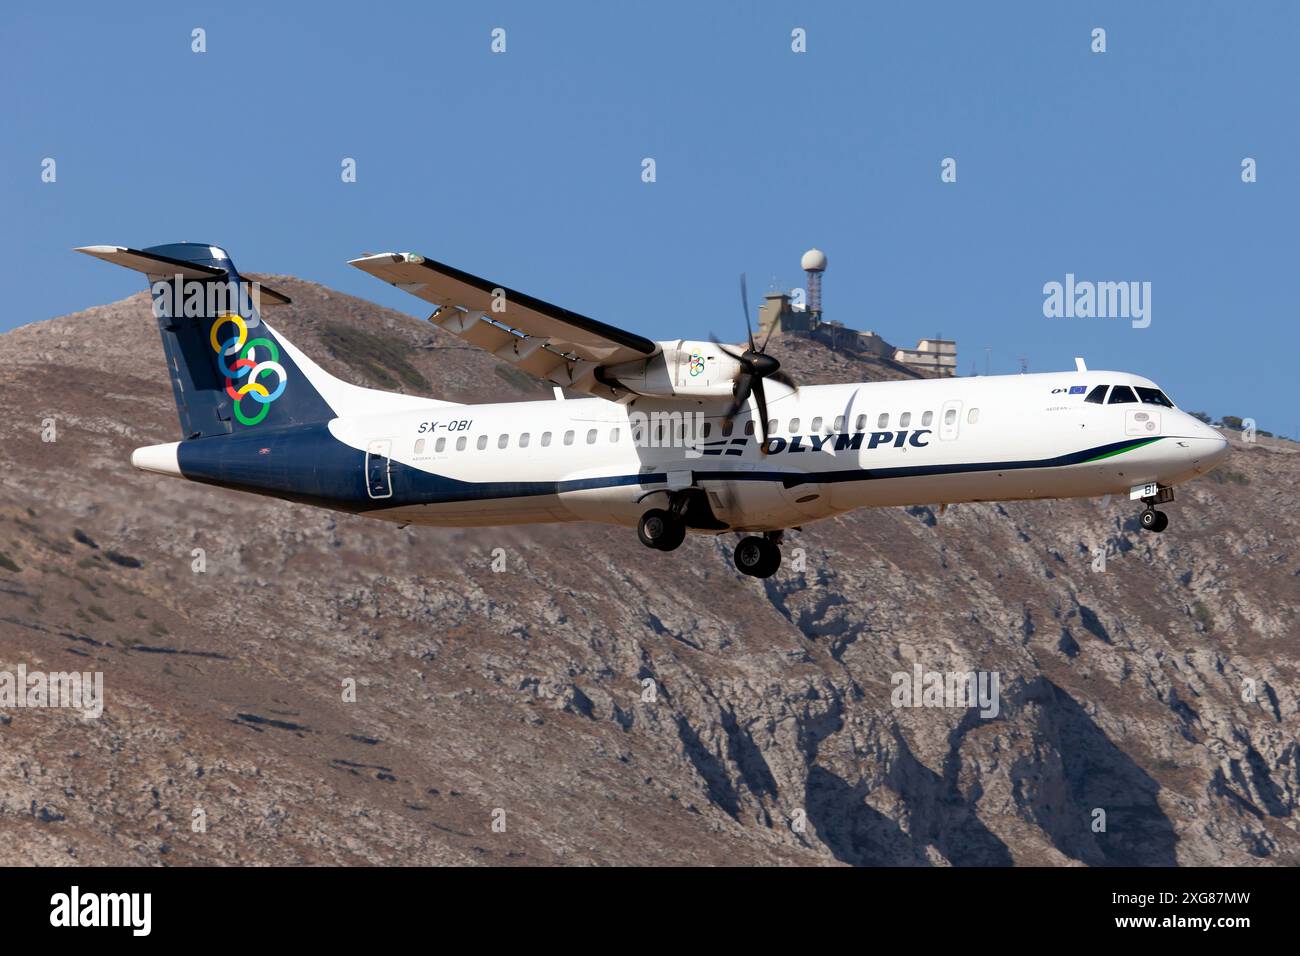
(544, 340)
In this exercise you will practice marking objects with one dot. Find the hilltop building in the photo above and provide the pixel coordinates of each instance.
(934, 355)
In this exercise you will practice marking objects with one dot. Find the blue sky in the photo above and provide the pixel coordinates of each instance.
(525, 166)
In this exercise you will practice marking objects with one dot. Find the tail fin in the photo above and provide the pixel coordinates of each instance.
(229, 370)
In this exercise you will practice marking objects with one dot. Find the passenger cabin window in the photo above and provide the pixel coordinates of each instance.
(613, 436)
(568, 437)
(927, 418)
(1121, 395)
(503, 440)
(904, 420)
(838, 425)
(727, 429)
(591, 436)
(708, 427)
(461, 442)
(816, 425)
(440, 444)
(1098, 395)
(771, 426)
(1153, 396)
(950, 417)
(523, 440)
(972, 416)
(546, 439)
(749, 427)
(794, 425)
(482, 442)
(883, 420)
(861, 424)
(419, 446)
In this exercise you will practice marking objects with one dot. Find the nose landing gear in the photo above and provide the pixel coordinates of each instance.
(759, 557)
(1153, 520)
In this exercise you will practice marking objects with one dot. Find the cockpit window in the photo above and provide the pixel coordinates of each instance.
(1121, 395)
(1098, 395)
(1153, 396)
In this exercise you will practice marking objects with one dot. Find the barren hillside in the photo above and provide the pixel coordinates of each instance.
(518, 696)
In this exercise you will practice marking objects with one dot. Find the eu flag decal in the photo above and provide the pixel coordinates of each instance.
(1076, 389)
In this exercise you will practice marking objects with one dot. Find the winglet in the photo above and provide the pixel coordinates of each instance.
(1080, 365)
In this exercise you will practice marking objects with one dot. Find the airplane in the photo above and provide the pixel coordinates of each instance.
(670, 437)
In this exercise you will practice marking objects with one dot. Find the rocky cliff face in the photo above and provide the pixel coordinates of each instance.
(595, 702)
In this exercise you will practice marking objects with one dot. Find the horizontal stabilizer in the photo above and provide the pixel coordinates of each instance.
(158, 266)
(150, 263)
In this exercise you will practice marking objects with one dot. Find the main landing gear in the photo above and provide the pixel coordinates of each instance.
(664, 529)
(661, 530)
(759, 557)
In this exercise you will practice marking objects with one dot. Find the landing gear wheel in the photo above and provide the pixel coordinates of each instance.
(660, 530)
(757, 557)
(1153, 520)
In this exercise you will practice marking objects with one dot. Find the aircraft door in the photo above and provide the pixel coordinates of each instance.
(378, 470)
(950, 420)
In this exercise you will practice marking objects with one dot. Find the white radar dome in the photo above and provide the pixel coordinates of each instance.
(814, 260)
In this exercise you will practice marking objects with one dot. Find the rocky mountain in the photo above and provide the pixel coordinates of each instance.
(590, 701)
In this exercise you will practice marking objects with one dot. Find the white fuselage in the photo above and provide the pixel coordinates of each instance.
(834, 448)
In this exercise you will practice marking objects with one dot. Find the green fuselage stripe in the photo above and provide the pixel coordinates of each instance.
(1120, 451)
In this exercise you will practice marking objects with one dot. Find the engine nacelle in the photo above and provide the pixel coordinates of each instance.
(683, 368)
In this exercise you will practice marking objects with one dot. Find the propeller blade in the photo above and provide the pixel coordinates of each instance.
(767, 338)
(744, 301)
(736, 355)
(761, 398)
(744, 384)
(783, 378)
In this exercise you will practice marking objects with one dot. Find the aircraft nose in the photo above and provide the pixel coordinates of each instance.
(1222, 450)
(1210, 453)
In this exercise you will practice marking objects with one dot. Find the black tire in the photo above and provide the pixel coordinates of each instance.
(674, 536)
(1162, 522)
(1150, 519)
(749, 555)
(660, 530)
(771, 561)
(757, 557)
(652, 526)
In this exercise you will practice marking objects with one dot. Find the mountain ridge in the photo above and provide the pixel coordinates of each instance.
(519, 695)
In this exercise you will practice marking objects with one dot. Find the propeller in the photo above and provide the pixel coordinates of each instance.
(755, 365)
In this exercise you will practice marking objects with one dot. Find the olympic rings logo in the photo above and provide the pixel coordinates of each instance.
(248, 367)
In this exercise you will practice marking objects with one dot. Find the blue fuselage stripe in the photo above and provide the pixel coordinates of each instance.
(308, 464)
